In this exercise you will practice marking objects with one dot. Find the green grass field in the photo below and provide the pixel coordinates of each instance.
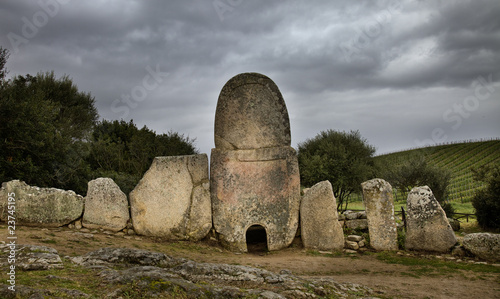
(459, 159)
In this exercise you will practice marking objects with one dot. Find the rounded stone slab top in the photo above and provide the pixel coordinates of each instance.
(251, 114)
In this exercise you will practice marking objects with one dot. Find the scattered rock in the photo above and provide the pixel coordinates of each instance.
(483, 245)
(359, 224)
(351, 245)
(32, 257)
(458, 251)
(362, 215)
(354, 238)
(78, 223)
(351, 215)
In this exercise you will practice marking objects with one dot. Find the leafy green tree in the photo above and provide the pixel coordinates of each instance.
(46, 123)
(486, 202)
(417, 172)
(344, 159)
(123, 152)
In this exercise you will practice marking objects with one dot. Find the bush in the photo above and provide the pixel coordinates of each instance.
(416, 171)
(487, 201)
(344, 159)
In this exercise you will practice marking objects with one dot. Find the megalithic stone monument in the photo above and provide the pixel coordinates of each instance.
(254, 171)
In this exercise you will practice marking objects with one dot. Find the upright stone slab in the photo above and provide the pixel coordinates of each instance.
(319, 225)
(106, 206)
(43, 207)
(254, 170)
(379, 205)
(172, 200)
(427, 227)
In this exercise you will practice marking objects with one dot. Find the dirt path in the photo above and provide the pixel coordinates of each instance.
(388, 280)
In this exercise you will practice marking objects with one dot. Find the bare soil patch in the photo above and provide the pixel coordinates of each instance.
(386, 279)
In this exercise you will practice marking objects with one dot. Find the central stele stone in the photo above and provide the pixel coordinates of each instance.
(254, 170)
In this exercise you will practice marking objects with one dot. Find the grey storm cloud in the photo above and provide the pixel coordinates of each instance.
(404, 73)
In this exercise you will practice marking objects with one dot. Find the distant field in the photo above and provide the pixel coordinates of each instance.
(459, 159)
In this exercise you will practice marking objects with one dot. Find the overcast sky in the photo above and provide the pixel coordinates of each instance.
(403, 73)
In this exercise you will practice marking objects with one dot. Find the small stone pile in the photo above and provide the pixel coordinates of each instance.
(354, 243)
(354, 220)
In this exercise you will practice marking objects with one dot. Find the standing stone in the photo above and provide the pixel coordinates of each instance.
(106, 206)
(319, 225)
(254, 170)
(172, 200)
(427, 226)
(379, 205)
(44, 207)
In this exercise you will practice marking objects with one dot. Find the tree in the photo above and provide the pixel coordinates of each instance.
(344, 159)
(417, 172)
(44, 131)
(4, 55)
(123, 152)
(486, 202)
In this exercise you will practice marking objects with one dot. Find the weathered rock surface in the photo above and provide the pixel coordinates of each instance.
(319, 225)
(145, 274)
(359, 224)
(483, 245)
(203, 280)
(44, 207)
(172, 200)
(32, 293)
(128, 256)
(31, 257)
(254, 171)
(106, 206)
(251, 114)
(379, 205)
(427, 226)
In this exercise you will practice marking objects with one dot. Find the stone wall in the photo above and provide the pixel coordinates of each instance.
(34, 206)
(379, 204)
(320, 228)
(172, 200)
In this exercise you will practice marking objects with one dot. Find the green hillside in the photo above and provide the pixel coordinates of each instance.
(458, 158)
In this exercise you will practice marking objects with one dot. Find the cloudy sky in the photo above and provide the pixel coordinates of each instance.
(403, 73)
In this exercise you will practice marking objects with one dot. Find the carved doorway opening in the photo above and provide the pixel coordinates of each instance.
(256, 238)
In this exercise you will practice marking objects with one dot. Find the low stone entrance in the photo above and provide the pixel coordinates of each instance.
(256, 238)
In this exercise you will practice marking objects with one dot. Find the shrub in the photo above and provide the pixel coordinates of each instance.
(487, 201)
